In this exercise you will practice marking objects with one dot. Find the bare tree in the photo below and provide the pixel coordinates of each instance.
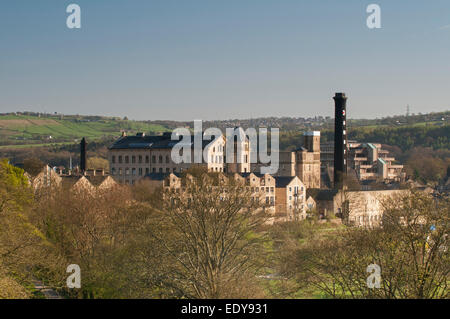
(411, 249)
(209, 231)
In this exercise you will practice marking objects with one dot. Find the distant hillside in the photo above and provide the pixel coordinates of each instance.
(25, 130)
(22, 130)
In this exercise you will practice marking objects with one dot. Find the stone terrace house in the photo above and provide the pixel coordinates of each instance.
(93, 183)
(262, 188)
(283, 198)
(132, 157)
(290, 198)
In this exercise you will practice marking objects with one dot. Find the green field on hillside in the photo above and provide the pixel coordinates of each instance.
(25, 130)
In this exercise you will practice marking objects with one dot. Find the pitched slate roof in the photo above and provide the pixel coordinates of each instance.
(259, 175)
(160, 176)
(151, 142)
(283, 181)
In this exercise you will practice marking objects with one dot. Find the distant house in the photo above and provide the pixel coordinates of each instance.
(94, 183)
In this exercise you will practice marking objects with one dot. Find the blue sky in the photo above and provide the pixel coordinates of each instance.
(211, 59)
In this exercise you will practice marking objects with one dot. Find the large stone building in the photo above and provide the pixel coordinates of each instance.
(132, 157)
(303, 163)
(283, 198)
(369, 161)
(355, 208)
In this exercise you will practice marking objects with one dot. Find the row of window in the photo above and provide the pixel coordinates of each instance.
(126, 159)
(160, 159)
(140, 171)
(257, 189)
(269, 200)
(295, 189)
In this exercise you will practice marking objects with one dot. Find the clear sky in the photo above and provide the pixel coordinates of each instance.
(222, 59)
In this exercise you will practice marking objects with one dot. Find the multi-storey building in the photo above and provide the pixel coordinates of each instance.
(308, 160)
(132, 157)
(240, 163)
(290, 197)
(369, 161)
(282, 198)
(303, 163)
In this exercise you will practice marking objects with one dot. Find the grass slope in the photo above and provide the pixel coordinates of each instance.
(31, 130)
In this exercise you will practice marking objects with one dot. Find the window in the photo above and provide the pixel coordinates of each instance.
(174, 169)
(271, 189)
(167, 159)
(120, 159)
(154, 170)
(267, 189)
(160, 170)
(153, 159)
(113, 171)
(133, 159)
(147, 159)
(120, 171)
(160, 159)
(140, 171)
(113, 159)
(147, 170)
(167, 170)
(290, 189)
(127, 171)
(127, 159)
(140, 159)
(133, 171)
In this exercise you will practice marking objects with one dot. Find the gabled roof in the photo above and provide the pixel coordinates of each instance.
(96, 180)
(283, 181)
(245, 175)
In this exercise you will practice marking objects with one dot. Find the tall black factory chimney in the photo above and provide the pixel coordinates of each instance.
(340, 140)
(83, 155)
